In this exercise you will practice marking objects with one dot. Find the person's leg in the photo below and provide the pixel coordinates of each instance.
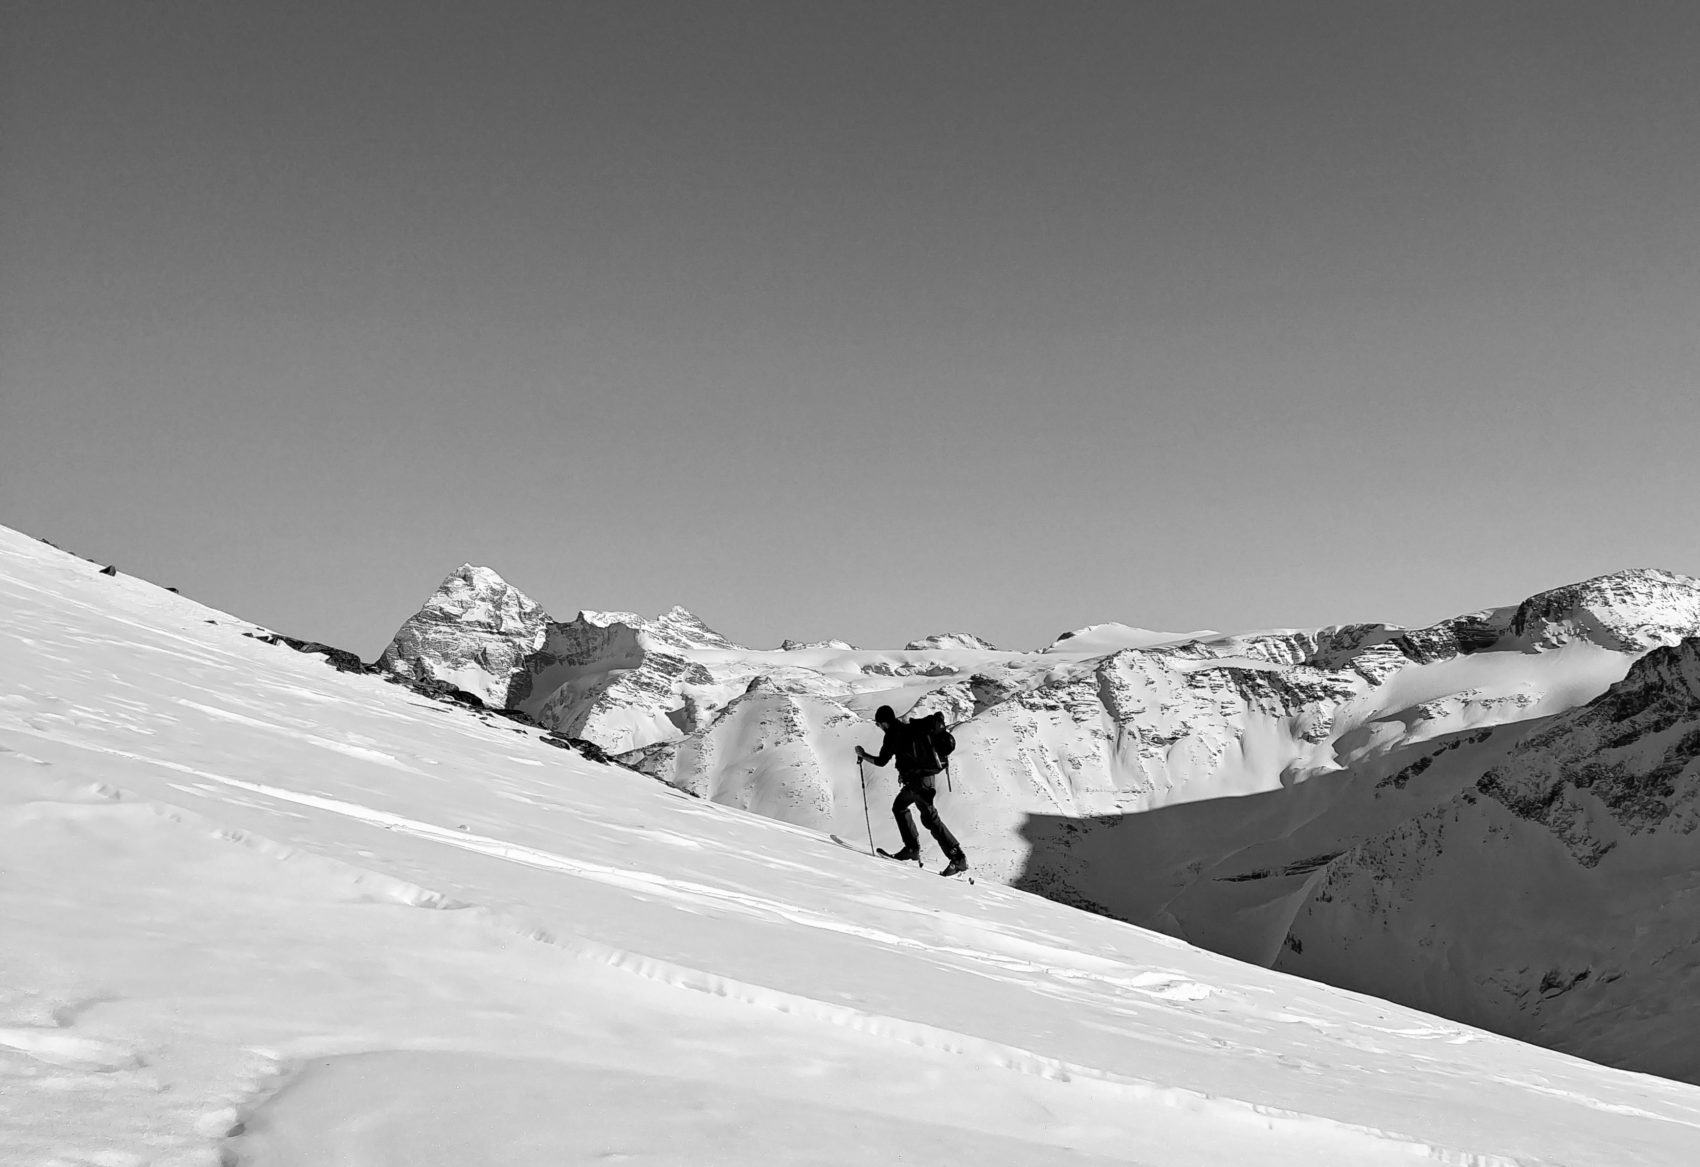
(931, 820)
(906, 825)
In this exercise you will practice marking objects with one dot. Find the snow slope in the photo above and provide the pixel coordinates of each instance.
(1143, 775)
(258, 911)
(1554, 895)
(1108, 722)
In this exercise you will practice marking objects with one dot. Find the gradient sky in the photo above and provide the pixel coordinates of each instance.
(863, 320)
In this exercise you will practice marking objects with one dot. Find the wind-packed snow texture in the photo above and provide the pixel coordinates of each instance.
(1214, 786)
(258, 911)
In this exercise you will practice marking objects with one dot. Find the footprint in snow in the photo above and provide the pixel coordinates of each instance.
(70, 1052)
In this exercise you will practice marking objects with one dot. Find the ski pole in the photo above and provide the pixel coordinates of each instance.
(866, 817)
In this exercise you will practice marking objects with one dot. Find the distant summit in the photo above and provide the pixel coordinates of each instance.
(949, 641)
(473, 633)
(1628, 611)
(1112, 637)
(582, 677)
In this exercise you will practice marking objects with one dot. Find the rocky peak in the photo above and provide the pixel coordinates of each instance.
(1627, 611)
(1674, 670)
(676, 629)
(474, 632)
(680, 629)
(1630, 611)
(475, 597)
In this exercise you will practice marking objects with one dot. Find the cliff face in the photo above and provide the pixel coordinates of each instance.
(1555, 896)
(474, 633)
(615, 678)
(1617, 769)
(624, 681)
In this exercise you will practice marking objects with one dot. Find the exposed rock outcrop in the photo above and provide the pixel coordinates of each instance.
(624, 681)
(614, 678)
(474, 633)
(1627, 611)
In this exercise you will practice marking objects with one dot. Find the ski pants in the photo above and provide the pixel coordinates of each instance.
(919, 792)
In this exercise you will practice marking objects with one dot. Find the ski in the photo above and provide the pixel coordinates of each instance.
(881, 852)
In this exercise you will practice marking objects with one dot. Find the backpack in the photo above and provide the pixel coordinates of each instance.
(943, 740)
(930, 743)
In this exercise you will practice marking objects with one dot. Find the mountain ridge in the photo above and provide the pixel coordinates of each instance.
(1203, 784)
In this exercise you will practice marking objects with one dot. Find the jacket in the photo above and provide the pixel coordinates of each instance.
(898, 744)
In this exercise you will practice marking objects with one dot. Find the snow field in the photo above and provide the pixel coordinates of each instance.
(260, 912)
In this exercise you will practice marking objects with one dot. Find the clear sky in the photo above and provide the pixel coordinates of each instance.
(865, 320)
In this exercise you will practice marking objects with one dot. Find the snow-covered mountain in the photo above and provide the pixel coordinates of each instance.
(475, 633)
(1555, 895)
(950, 640)
(258, 911)
(615, 678)
(1106, 722)
(1197, 783)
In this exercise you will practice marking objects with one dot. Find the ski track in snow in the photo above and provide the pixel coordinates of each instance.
(1017, 964)
(71, 1052)
(1024, 956)
(354, 751)
(256, 1091)
(1023, 960)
